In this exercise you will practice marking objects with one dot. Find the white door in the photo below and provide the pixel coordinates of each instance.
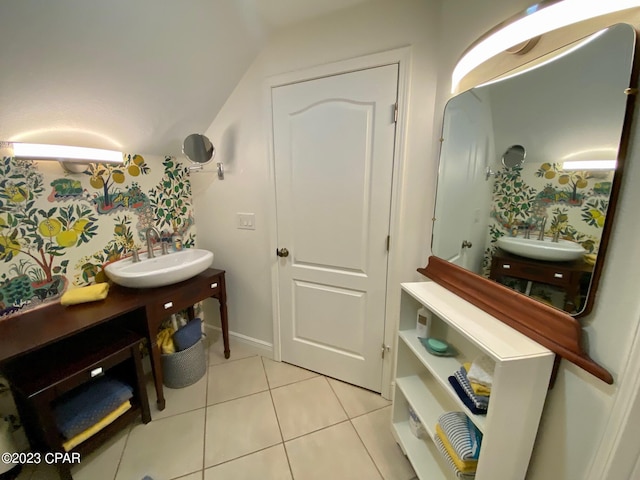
(461, 217)
(333, 147)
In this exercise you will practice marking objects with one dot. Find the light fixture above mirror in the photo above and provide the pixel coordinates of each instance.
(539, 19)
(65, 153)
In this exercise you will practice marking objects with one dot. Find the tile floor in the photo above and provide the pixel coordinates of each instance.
(252, 418)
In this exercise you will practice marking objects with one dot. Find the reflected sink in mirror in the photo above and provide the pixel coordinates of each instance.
(161, 270)
(560, 251)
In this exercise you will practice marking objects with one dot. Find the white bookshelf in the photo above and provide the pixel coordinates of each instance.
(521, 378)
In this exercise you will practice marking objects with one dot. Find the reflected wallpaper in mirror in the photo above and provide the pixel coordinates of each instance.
(549, 213)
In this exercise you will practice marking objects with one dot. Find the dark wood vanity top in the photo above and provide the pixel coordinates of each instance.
(39, 327)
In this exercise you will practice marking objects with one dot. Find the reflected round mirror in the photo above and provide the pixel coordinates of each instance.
(540, 227)
(514, 156)
(198, 148)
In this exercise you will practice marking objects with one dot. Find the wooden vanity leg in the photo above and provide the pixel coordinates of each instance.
(224, 321)
(156, 367)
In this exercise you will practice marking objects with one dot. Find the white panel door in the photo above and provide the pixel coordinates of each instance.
(333, 147)
(460, 218)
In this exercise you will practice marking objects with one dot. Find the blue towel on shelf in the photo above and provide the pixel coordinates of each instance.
(462, 434)
(465, 398)
(86, 405)
(479, 401)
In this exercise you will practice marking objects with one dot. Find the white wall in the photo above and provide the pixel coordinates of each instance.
(241, 136)
(579, 406)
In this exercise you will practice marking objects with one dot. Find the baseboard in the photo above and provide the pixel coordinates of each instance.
(262, 348)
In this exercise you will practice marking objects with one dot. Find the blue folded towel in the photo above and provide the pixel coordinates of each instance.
(479, 401)
(86, 405)
(188, 335)
(465, 398)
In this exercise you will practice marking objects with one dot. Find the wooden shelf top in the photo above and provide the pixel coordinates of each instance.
(41, 326)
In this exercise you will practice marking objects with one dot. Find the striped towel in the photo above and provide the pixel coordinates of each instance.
(465, 466)
(463, 436)
(452, 465)
(479, 401)
(464, 397)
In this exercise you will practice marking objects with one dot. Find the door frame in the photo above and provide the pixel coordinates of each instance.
(401, 57)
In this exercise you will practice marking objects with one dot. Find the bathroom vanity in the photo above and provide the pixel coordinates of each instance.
(139, 310)
(568, 276)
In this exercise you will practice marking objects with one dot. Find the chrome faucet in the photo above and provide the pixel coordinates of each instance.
(148, 233)
(544, 224)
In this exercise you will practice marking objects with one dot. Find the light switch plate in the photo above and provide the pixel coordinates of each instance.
(247, 221)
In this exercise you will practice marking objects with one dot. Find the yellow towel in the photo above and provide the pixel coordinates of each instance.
(96, 427)
(91, 293)
(590, 258)
(478, 388)
(465, 466)
(165, 340)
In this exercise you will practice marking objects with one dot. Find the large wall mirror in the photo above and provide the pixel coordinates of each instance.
(528, 169)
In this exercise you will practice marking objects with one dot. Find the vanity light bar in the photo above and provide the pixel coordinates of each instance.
(41, 151)
(589, 165)
(537, 20)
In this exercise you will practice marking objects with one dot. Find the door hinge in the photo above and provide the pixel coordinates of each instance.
(385, 348)
(388, 242)
(395, 112)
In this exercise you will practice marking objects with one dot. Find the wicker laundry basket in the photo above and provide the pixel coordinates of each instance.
(185, 367)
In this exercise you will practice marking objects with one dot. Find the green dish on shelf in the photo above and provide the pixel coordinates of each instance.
(437, 347)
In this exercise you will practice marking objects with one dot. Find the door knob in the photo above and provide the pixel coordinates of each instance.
(282, 252)
(466, 244)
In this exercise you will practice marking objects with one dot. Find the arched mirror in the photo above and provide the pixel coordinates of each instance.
(539, 227)
(198, 148)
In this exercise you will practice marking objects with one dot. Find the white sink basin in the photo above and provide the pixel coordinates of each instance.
(560, 251)
(161, 270)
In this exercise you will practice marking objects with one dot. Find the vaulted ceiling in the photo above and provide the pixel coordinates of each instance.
(134, 75)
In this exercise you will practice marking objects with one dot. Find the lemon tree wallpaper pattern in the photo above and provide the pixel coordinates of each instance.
(574, 204)
(57, 230)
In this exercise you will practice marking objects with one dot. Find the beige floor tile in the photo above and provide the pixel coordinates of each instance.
(240, 427)
(102, 464)
(333, 453)
(268, 464)
(374, 430)
(306, 406)
(237, 348)
(355, 400)
(178, 400)
(236, 379)
(280, 373)
(166, 448)
(193, 476)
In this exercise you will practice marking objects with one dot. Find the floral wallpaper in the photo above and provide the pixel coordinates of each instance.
(57, 229)
(574, 204)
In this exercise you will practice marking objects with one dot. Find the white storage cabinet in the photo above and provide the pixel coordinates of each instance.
(520, 383)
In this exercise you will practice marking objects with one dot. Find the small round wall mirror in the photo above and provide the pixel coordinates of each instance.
(514, 156)
(198, 148)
